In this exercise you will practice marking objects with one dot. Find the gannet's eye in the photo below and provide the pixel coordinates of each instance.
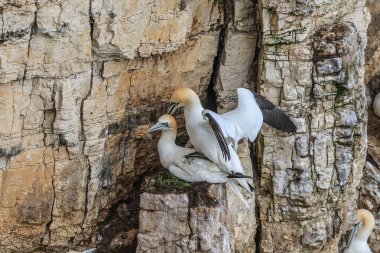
(166, 124)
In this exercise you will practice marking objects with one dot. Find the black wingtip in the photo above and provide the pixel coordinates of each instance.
(238, 175)
(219, 137)
(372, 161)
(273, 116)
(251, 187)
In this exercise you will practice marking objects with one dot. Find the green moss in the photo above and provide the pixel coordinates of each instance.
(341, 89)
(164, 180)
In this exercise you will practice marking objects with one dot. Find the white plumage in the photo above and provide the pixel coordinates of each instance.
(172, 157)
(204, 138)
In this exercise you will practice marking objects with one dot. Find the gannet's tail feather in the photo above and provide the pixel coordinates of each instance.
(235, 189)
(243, 183)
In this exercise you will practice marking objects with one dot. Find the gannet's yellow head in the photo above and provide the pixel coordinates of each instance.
(366, 218)
(182, 97)
(363, 227)
(165, 122)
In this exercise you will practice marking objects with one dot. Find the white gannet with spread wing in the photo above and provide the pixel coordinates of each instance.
(243, 122)
(191, 169)
(206, 135)
(360, 233)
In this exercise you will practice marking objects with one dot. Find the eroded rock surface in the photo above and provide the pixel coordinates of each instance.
(80, 84)
(82, 81)
(189, 222)
(312, 67)
(370, 192)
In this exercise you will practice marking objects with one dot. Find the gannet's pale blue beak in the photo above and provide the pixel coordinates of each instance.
(93, 250)
(159, 126)
(172, 108)
(353, 233)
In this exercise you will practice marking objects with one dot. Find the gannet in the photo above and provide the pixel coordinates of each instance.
(376, 105)
(201, 132)
(190, 168)
(358, 239)
(244, 121)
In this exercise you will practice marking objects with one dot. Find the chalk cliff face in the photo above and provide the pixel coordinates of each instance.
(370, 194)
(82, 81)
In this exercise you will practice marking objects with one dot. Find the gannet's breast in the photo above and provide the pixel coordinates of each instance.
(358, 246)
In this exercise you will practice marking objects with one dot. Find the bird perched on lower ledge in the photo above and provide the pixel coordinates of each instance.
(360, 233)
(190, 168)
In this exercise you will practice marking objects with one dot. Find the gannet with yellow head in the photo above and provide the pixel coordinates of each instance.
(217, 136)
(191, 169)
(207, 135)
(358, 239)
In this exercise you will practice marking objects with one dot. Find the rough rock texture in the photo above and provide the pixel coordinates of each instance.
(370, 192)
(80, 83)
(372, 51)
(311, 65)
(189, 222)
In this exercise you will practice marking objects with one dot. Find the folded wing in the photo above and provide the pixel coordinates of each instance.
(225, 130)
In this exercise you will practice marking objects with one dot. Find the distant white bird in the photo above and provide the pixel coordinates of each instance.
(376, 105)
(358, 239)
(190, 168)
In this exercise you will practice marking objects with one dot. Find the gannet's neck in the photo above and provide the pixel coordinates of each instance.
(362, 235)
(364, 231)
(367, 224)
(167, 141)
(194, 109)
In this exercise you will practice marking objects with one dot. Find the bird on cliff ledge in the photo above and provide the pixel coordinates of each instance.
(217, 136)
(244, 121)
(190, 168)
(357, 242)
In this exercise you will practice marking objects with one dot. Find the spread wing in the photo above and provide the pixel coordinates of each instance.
(219, 132)
(273, 116)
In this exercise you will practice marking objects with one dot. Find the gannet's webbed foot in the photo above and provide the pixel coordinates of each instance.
(196, 154)
(238, 175)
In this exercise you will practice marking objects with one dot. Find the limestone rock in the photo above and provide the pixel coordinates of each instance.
(187, 222)
(370, 192)
(82, 81)
(80, 84)
(325, 41)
